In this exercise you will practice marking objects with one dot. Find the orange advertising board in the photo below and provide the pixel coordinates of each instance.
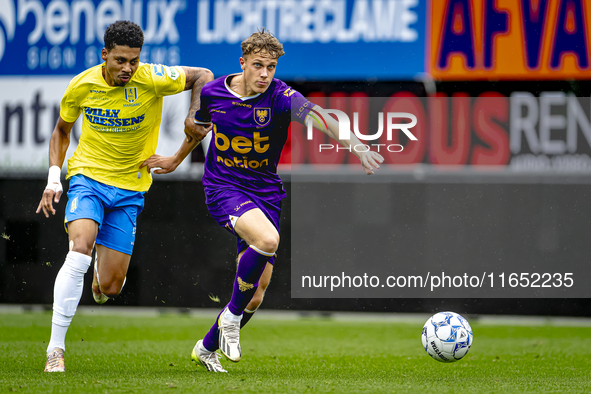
(509, 39)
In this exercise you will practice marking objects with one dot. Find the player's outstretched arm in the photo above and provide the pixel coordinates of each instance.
(196, 78)
(58, 146)
(166, 164)
(327, 124)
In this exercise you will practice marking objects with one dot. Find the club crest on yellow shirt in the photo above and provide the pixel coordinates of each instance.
(262, 115)
(130, 95)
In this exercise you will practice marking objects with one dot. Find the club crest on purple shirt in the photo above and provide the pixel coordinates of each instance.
(262, 116)
(249, 135)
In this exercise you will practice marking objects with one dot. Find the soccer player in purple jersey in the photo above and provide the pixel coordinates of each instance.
(251, 112)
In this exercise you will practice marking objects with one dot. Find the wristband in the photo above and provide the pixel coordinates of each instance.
(53, 179)
(55, 174)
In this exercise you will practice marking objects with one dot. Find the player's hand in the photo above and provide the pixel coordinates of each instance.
(370, 161)
(52, 193)
(165, 164)
(196, 131)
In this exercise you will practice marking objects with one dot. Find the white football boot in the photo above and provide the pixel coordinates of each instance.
(55, 361)
(209, 360)
(229, 337)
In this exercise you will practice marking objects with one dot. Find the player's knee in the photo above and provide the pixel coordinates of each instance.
(81, 246)
(269, 243)
(111, 289)
(111, 292)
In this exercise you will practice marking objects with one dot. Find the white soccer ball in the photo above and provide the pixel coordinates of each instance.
(447, 337)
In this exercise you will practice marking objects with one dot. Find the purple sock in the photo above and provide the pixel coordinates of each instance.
(250, 268)
(211, 341)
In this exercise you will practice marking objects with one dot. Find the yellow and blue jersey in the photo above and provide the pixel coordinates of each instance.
(120, 123)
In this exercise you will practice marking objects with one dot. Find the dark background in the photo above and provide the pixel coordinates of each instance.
(402, 229)
(183, 259)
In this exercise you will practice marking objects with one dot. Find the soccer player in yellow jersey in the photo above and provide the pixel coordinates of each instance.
(121, 104)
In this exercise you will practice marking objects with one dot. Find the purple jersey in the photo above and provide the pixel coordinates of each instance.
(248, 135)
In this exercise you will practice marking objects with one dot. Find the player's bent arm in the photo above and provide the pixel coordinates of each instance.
(168, 164)
(196, 78)
(327, 124)
(58, 146)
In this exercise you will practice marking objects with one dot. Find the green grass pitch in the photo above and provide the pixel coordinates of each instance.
(114, 353)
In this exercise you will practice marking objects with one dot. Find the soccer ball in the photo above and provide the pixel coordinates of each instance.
(447, 337)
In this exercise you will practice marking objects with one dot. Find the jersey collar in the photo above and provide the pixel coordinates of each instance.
(238, 95)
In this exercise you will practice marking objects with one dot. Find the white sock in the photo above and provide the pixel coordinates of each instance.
(66, 296)
(58, 335)
(232, 317)
(203, 350)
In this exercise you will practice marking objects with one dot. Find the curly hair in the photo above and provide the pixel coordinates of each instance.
(124, 33)
(262, 40)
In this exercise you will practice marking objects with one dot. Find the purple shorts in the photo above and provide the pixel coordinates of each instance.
(227, 205)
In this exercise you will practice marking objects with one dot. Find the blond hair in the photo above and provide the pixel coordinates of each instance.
(262, 40)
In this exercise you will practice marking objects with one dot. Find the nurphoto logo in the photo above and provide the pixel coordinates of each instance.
(344, 125)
